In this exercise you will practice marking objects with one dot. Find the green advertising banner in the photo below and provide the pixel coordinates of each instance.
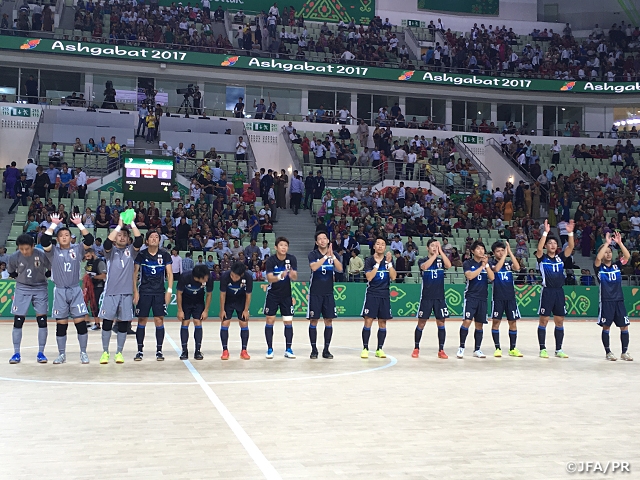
(405, 300)
(474, 7)
(330, 70)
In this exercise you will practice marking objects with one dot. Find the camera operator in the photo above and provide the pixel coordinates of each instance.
(109, 96)
(197, 99)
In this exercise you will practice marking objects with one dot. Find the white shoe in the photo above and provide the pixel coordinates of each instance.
(289, 353)
(460, 353)
(62, 358)
(479, 354)
(269, 353)
(84, 358)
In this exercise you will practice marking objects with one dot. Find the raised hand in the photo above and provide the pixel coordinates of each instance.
(617, 236)
(388, 257)
(570, 226)
(608, 240)
(547, 227)
(330, 252)
(76, 218)
(55, 219)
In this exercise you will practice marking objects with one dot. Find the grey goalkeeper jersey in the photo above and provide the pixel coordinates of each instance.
(31, 270)
(120, 271)
(66, 264)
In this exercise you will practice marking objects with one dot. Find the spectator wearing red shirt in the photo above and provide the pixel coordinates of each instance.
(249, 196)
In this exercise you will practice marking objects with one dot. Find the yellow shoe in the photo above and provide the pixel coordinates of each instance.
(104, 359)
(364, 353)
(497, 353)
(119, 358)
(380, 353)
(515, 353)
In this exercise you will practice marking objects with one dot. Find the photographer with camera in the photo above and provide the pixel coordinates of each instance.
(197, 101)
(187, 93)
(109, 96)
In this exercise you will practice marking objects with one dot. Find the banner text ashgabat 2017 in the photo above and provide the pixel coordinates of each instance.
(239, 62)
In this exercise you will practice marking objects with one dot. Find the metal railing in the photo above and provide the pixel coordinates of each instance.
(509, 159)
(483, 171)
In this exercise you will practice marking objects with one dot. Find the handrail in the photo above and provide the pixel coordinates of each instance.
(292, 151)
(495, 144)
(482, 169)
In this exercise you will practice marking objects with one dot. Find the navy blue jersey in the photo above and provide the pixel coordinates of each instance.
(281, 288)
(152, 271)
(610, 279)
(432, 279)
(379, 285)
(479, 286)
(236, 292)
(503, 282)
(552, 270)
(192, 291)
(322, 279)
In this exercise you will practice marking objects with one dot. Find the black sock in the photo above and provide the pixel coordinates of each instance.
(268, 335)
(464, 331)
(605, 340)
(159, 338)
(382, 334)
(624, 338)
(244, 337)
(140, 337)
(442, 335)
(288, 335)
(328, 333)
(224, 337)
(513, 336)
(197, 336)
(366, 333)
(313, 337)
(559, 334)
(184, 337)
(496, 338)
(477, 336)
(417, 336)
(542, 337)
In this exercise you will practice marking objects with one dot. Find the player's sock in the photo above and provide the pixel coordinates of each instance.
(159, 338)
(17, 339)
(121, 337)
(83, 340)
(197, 336)
(366, 333)
(542, 337)
(382, 335)
(140, 331)
(624, 338)
(605, 340)
(268, 335)
(106, 338)
(464, 331)
(288, 335)
(313, 336)
(513, 336)
(442, 335)
(328, 333)
(417, 336)
(224, 337)
(477, 336)
(559, 334)
(244, 337)
(184, 337)
(43, 333)
(496, 338)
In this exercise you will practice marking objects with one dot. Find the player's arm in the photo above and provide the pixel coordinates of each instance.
(207, 304)
(223, 299)
(625, 253)
(317, 263)
(179, 289)
(136, 294)
(490, 274)
(337, 264)
(601, 251)
(500, 263)
(471, 274)
(169, 292)
(370, 274)
(87, 238)
(569, 250)
(111, 238)
(514, 261)
(543, 239)
(45, 240)
(388, 263)
(428, 262)
(445, 260)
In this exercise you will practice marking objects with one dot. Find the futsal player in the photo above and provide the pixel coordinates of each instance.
(117, 302)
(612, 309)
(193, 303)
(503, 301)
(153, 264)
(68, 301)
(281, 269)
(321, 302)
(379, 271)
(552, 301)
(236, 286)
(29, 266)
(478, 276)
(432, 298)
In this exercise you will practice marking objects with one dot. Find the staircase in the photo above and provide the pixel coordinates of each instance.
(6, 220)
(299, 230)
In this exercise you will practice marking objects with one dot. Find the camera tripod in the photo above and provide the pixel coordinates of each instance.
(186, 104)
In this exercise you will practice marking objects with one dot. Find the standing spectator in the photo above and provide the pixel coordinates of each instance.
(31, 170)
(142, 119)
(296, 192)
(356, 266)
(81, 182)
(241, 149)
(187, 262)
(21, 191)
(65, 182)
(318, 185)
(309, 184)
(150, 119)
(113, 155)
(238, 180)
(238, 109)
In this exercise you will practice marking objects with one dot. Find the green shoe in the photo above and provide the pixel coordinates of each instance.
(104, 359)
(515, 353)
(364, 353)
(119, 358)
(561, 354)
(544, 354)
(497, 353)
(380, 353)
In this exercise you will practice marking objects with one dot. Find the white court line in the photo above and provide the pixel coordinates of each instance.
(252, 449)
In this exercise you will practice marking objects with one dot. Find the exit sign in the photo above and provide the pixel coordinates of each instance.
(20, 112)
(472, 139)
(262, 127)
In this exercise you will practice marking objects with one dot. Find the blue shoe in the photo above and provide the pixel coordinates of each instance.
(41, 358)
(269, 353)
(15, 359)
(289, 354)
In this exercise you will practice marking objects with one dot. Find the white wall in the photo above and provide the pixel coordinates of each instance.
(16, 136)
(585, 13)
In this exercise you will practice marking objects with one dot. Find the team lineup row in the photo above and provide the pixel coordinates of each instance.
(136, 275)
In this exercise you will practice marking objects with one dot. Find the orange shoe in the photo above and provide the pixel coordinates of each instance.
(416, 353)
(442, 355)
(244, 355)
(225, 355)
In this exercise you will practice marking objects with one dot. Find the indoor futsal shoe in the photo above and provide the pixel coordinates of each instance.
(610, 356)
(544, 353)
(497, 353)
(15, 359)
(244, 355)
(184, 355)
(104, 358)
(626, 357)
(289, 353)
(514, 352)
(314, 354)
(479, 354)
(269, 354)
(119, 357)
(198, 355)
(225, 355)
(62, 358)
(327, 354)
(159, 357)
(84, 358)
(380, 353)
(442, 355)
(460, 353)
(139, 356)
(561, 354)
(364, 353)
(41, 358)
(415, 353)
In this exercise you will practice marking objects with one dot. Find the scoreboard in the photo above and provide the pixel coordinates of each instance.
(148, 178)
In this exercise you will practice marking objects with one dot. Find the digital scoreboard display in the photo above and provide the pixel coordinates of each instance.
(148, 178)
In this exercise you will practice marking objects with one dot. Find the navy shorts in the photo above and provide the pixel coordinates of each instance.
(613, 312)
(321, 306)
(229, 308)
(376, 307)
(192, 310)
(552, 302)
(148, 303)
(476, 309)
(273, 303)
(508, 307)
(437, 306)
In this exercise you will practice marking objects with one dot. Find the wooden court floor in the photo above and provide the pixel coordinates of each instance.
(347, 418)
